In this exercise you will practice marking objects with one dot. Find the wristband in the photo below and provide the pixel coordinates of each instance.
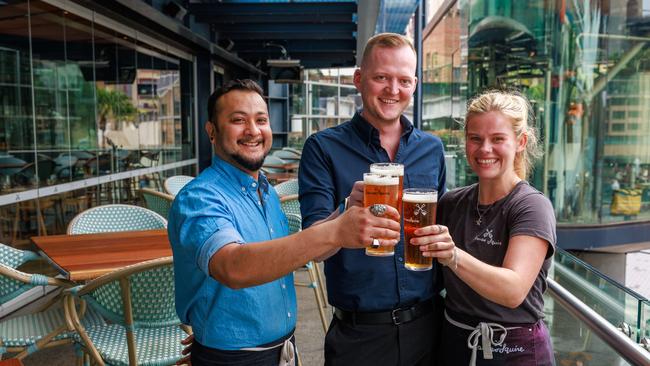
(344, 205)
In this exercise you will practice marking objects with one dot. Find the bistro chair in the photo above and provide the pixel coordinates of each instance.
(175, 183)
(272, 163)
(138, 301)
(295, 225)
(287, 155)
(41, 329)
(287, 188)
(157, 202)
(290, 204)
(114, 218)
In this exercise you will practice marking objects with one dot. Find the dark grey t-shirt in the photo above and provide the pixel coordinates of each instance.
(524, 211)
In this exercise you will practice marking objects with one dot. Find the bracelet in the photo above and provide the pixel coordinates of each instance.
(453, 262)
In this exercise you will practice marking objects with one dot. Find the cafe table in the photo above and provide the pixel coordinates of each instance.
(84, 257)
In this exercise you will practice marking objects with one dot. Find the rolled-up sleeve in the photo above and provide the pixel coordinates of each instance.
(317, 189)
(202, 224)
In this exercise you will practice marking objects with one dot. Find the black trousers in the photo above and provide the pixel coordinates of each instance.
(410, 344)
(206, 356)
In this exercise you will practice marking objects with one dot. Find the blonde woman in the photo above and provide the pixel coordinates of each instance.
(496, 239)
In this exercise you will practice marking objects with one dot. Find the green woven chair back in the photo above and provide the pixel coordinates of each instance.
(12, 258)
(287, 188)
(291, 206)
(157, 202)
(295, 223)
(174, 184)
(113, 218)
(152, 298)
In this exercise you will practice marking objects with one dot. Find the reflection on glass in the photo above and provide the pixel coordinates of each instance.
(573, 342)
(103, 103)
(612, 301)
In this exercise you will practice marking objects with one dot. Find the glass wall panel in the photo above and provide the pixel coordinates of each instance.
(79, 103)
(583, 65)
(323, 100)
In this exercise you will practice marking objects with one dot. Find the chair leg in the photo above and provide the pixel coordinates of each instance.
(319, 303)
(321, 284)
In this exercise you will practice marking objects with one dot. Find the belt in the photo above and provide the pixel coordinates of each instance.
(396, 316)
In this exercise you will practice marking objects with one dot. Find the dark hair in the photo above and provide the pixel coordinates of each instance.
(236, 84)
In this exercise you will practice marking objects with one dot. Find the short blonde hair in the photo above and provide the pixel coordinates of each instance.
(387, 40)
(517, 108)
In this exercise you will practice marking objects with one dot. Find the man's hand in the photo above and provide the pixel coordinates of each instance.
(186, 359)
(356, 195)
(357, 227)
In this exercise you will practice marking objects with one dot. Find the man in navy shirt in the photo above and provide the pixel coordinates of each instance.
(232, 259)
(383, 312)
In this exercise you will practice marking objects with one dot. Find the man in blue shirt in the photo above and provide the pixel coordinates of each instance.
(232, 259)
(383, 312)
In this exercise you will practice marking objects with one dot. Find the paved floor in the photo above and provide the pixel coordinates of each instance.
(309, 335)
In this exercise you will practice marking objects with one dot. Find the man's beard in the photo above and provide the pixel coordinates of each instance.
(248, 164)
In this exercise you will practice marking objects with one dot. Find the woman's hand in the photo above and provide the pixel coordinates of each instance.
(435, 241)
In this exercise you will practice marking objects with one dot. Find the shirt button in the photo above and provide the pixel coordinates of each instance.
(284, 286)
(243, 189)
(254, 184)
(259, 203)
(288, 315)
(400, 259)
(271, 230)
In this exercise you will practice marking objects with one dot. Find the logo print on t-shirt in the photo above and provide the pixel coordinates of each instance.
(487, 237)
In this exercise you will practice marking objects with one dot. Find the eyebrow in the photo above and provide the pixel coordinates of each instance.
(246, 113)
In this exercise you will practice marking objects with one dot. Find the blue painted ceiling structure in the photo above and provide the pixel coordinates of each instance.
(319, 33)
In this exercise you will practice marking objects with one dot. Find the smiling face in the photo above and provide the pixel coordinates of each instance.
(491, 146)
(386, 81)
(242, 133)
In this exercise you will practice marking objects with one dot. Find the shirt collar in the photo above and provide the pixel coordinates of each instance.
(370, 134)
(240, 178)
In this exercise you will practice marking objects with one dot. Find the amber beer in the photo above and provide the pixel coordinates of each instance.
(384, 189)
(419, 211)
(391, 169)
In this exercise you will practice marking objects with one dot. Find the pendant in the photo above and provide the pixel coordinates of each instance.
(478, 221)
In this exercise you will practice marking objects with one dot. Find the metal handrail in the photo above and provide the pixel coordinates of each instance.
(627, 348)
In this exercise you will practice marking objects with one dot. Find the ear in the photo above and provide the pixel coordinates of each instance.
(521, 143)
(356, 79)
(210, 130)
(415, 84)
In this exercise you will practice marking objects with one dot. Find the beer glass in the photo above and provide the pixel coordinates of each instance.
(391, 169)
(384, 189)
(419, 211)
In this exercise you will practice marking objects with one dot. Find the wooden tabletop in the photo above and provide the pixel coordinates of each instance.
(87, 256)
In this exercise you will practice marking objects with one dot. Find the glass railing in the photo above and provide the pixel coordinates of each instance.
(582, 337)
(645, 319)
(614, 302)
(573, 342)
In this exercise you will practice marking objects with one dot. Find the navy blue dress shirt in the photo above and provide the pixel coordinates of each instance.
(332, 160)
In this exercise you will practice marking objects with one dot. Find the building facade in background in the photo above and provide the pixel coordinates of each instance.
(584, 65)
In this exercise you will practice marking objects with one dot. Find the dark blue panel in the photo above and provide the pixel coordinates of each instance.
(596, 237)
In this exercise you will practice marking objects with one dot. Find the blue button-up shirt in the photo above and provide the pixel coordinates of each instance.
(219, 207)
(332, 160)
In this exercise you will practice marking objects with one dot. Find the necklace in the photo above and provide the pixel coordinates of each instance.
(480, 212)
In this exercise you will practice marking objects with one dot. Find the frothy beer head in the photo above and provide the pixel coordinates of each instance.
(387, 168)
(420, 197)
(380, 180)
